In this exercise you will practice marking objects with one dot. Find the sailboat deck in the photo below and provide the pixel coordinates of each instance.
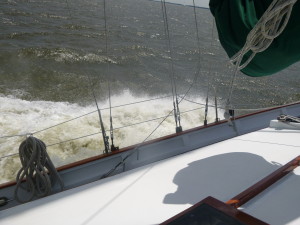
(151, 194)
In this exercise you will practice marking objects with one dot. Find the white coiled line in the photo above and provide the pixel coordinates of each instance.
(269, 26)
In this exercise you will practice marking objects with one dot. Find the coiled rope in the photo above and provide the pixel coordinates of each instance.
(270, 25)
(35, 172)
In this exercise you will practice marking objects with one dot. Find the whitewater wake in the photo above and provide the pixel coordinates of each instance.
(81, 138)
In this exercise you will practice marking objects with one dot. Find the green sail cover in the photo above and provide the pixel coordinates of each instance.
(236, 18)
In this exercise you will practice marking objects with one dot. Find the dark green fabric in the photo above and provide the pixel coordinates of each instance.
(236, 18)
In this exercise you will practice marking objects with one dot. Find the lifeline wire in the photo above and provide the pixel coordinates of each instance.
(128, 104)
(47, 128)
(117, 106)
(117, 128)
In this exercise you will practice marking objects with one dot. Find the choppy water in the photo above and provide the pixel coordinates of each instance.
(49, 49)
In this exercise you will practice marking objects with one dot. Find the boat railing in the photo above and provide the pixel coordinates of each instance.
(201, 105)
(194, 105)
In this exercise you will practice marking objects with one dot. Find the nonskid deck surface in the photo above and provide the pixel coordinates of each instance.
(153, 193)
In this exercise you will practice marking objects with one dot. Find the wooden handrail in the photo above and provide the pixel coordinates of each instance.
(263, 184)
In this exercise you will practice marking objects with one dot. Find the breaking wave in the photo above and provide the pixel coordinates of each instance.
(64, 55)
(21, 117)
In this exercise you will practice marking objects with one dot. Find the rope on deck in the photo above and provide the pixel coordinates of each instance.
(34, 176)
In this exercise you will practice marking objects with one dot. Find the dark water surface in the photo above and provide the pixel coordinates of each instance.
(49, 47)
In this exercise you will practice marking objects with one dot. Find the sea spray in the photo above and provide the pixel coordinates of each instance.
(64, 141)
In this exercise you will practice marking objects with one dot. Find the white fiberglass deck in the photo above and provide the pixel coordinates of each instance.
(154, 193)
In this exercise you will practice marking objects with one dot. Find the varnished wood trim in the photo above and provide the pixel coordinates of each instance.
(263, 184)
(221, 206)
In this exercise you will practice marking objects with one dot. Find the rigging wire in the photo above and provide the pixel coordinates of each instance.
(198, 46)
(209, 80)
(104, 136)
(112, 147)
(10, 155)
(12, 136)
(199, 67)
(172, 73)
(236, 106)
